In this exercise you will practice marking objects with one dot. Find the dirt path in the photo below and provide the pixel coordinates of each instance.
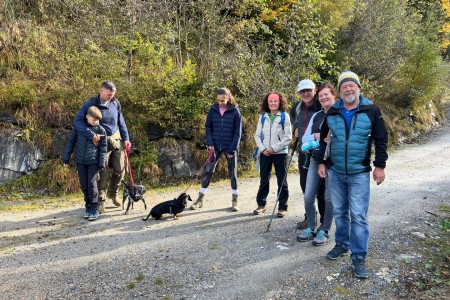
(215, 253)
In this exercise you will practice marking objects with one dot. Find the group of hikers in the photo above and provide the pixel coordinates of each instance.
(334, 156)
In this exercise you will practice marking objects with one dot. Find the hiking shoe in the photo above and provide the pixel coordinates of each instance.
(337, 252)
(359, 268)
(320, 239)
(113, 197)
(115, 202)
(234, 203)
(86, 214)
(281, 213)
(199, 202)
(259, 210)
(306, 235)
(101, 208)
(303, 224)
(93, 215)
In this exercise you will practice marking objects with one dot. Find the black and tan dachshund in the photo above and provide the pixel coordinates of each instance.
(133, 193)
(174, 207)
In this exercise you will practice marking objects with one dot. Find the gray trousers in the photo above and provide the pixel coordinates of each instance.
(114, 172)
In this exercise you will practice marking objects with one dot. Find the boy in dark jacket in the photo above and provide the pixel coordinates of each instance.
(90, 158)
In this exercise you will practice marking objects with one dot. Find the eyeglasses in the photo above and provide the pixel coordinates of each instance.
(305, 91)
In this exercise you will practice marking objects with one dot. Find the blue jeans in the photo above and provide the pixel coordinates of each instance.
(279, 161)
(313, 183)
(350, 195)
(303, 169)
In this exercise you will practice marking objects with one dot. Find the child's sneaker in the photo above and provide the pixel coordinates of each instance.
(93, 215)
(306, 235)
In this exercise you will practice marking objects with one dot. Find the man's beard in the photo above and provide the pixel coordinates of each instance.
(350, 99)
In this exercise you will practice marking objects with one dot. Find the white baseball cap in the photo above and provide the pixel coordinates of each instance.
(305, 84)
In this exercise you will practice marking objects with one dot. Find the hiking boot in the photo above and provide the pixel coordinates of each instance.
(259, 210)
(306, 235)
(199, 202)
(113, 197)
(320, 239)
(359, 267)
(303, 224)
(281, 213)
(234, 202)
(93, 215)
(101, 208)
(337, 252)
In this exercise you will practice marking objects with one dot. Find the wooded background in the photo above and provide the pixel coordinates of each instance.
(167, 58)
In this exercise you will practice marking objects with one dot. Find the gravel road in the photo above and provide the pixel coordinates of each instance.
(218, 254)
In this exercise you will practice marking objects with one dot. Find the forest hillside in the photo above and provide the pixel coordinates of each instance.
(167, 58)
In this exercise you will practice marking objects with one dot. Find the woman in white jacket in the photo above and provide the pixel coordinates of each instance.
(273, 136)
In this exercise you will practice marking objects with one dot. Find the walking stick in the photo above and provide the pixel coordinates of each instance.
(284, 179)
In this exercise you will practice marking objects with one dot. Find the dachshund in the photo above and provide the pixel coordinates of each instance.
(175, 206)
(133, 193)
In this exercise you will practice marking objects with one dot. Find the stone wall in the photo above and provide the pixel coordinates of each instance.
(17, 156)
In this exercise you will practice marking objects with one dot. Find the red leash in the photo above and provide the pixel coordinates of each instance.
(126, 159)
(208, 161)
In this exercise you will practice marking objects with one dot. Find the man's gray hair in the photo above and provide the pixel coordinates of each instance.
(109, 85)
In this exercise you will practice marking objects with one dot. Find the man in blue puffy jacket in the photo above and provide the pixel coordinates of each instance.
(355, 124)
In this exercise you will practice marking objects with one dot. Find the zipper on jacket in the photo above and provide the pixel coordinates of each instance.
(354, 121)
(221, 134)
(270, 132)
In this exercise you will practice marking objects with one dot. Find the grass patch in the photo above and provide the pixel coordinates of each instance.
(131, 285)
(159, 281)
(16, 202)
(343, 291)
(430, 278)
(139, 278)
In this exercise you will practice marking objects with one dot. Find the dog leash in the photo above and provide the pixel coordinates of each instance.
(209, 160)
(127, 163)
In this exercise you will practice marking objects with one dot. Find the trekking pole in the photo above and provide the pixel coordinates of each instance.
(284, 179)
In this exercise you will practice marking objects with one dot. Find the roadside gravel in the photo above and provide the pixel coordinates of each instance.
(218, 254)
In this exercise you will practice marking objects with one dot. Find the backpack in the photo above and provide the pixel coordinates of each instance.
(115, 102)
(283, 118)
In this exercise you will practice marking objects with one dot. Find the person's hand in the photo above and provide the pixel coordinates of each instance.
(230, 155)
(322, 171)
(210, 148)
(268, 152)
(378, 175)
(296, 132)
(317, 135)
(127, 145)
(96, 139)
(101, 169)
(327, 140)
(65, 165)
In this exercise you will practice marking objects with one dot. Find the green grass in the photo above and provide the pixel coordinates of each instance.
(435, 268)
(16, 202)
